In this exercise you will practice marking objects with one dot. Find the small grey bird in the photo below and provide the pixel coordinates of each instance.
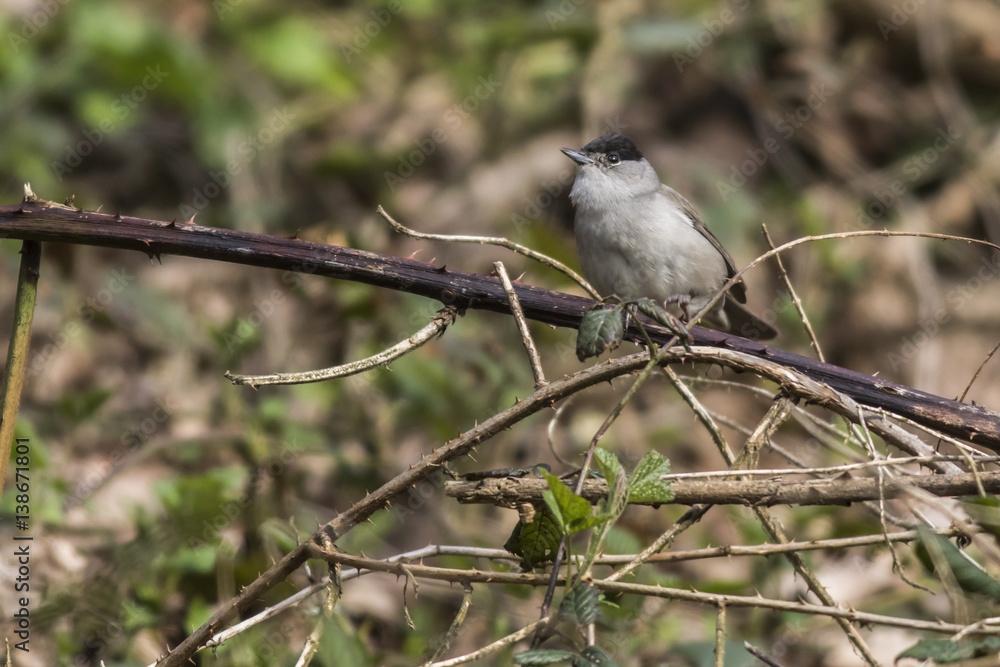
(636, 237)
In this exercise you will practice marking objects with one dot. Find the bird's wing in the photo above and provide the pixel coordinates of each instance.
(738, 290)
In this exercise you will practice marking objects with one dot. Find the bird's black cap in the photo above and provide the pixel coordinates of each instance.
(614, 143)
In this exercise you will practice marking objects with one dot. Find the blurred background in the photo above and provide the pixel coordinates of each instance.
(159, 489)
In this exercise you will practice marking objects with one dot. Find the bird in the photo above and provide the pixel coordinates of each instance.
(636, 237)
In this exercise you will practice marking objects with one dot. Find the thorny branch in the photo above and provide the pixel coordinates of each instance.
(843, 392)
(46, 221)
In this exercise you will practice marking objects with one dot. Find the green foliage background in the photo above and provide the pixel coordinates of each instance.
(160, 490)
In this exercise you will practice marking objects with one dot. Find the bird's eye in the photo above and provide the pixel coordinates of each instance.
(613, 159)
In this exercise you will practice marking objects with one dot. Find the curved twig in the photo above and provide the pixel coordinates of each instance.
(444, 318)
(497, 241)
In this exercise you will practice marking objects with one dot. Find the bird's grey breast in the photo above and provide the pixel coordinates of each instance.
(646, 246)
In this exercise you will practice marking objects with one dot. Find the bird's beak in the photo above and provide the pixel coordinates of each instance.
(577, 156)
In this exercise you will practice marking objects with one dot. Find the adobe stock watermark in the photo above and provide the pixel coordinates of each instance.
(263, 309)
(957, 298)
(96, 644)
(266, 306)
(121, 108)
(901, 13)
(542, 199)
(131, 439)
(93, 305)
(915, 167)
(223, 7)
(364, 34)
(711, 30)
(452, 119)
(565, 9)
(245, 152)
(35, 22)
(786, 126)
(230, 510)
(418, 495)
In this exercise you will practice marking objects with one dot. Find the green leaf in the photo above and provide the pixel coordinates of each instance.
(601, 330)
(594, 656)
(944, 651)
(571, 510)
(581, 604)
(543, 657)
(535, 542)
(650, 309)
(645, 485)
(653, 311)
(609, 465)
(970, 577)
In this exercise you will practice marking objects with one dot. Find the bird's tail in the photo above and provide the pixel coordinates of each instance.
(744, 323)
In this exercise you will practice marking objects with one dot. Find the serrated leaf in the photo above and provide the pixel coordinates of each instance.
(581, 604)
(594, 656)
(535, 542)
(648, 308)
(543, 657)
(609, 465)
(969, 576)
(601, 330)
(571, 510)
(645, 485)
(944, 651)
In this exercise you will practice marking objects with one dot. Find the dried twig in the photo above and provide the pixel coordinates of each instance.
(795, 298)
(699, 410)
(757, 653)
(979, 370)
(824, 470)
(522, 325)
(456, 624)
(688, 519)
(777, 414)
(497, 241)
(496, 646)
(826, 237)
(312, 642)
(681, 594)
(444, 318)
(720, 636)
